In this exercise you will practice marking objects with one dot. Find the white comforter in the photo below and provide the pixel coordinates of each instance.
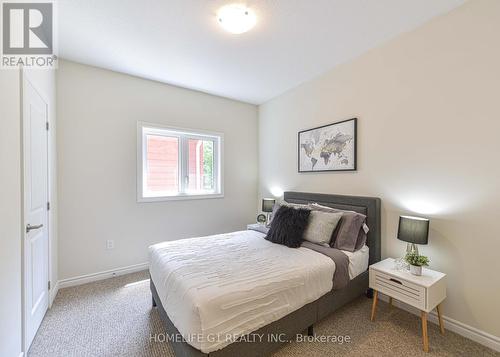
(217, 288)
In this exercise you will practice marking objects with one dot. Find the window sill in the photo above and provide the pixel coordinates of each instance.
(179, 197)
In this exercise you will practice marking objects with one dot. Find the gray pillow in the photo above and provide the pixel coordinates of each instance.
(321, 226)
(349, 234)
(296, 205)
(276, 207)
(318, 207)
(361, 241)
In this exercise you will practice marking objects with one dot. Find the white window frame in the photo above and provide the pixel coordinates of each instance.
(184, 135)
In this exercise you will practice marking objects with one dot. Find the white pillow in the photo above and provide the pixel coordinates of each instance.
(320, 227)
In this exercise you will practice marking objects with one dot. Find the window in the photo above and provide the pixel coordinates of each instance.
(178, 164)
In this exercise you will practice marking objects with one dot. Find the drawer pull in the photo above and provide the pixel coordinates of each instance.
(396, 281)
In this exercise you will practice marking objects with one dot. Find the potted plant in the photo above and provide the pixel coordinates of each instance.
(416, 262)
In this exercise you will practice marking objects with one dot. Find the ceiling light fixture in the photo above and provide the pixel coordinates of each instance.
(236, 18)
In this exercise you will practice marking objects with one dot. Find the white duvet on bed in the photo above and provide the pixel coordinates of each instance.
(232, 284)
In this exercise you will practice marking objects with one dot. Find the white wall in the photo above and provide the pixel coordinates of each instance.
(98, 112)
(10, 214)
(428, 109)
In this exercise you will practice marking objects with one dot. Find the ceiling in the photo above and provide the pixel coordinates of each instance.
(179, 41)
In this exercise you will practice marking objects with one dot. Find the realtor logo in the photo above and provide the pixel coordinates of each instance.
(27, 34)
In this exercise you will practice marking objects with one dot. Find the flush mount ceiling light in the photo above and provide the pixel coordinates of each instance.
(236, 18)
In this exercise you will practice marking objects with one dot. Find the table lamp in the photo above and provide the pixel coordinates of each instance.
(413, 230)
(267, 206)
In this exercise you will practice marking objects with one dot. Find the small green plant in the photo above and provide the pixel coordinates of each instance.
(415, 259)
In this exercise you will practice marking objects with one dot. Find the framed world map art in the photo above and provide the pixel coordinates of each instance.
(330, 147)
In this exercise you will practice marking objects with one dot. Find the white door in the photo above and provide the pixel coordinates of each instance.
(36, 242)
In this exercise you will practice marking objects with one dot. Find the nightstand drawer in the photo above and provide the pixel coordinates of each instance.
(400, 289)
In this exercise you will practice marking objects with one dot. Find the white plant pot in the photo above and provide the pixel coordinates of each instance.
(416, 270)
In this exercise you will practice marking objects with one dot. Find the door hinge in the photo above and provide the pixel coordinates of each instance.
(48, 206)
(49, 284)
(47, 125)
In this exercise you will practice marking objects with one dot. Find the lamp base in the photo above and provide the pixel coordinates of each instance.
(411, 248)
(401, 264)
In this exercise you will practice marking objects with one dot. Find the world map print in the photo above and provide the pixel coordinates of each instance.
(328, 148)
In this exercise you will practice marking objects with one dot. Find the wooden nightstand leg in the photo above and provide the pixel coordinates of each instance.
(374, 304)
(440, 317)
(425, 337)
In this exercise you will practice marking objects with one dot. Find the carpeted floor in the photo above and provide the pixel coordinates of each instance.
(114, 318)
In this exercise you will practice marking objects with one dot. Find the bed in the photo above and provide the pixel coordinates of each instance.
(289, 294)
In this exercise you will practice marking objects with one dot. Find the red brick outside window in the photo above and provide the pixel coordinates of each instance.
(178, 164)
(162, 164)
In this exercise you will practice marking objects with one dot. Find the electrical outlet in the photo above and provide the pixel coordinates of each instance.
(110, 244)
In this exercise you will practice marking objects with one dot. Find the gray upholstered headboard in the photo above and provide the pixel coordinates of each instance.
(369, 206)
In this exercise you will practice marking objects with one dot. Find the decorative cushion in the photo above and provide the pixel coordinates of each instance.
(361, 240)
(296, 205)
(288, 226)
(321, 226)
(284, 203)
(349, 234)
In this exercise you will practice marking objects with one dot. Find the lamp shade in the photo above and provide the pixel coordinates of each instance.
(413, 229)
(268, 204)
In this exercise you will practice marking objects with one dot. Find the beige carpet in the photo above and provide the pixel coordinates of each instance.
(114, 318)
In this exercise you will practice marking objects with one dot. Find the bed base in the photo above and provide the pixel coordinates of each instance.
(297, 322)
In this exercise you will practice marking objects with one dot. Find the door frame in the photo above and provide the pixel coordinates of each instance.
(24, 76)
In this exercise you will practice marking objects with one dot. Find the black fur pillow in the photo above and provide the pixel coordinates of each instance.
(288, 226)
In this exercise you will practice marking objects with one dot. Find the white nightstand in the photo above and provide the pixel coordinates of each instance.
(424, 292)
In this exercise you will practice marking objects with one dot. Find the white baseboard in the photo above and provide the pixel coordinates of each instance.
(83, 279)
(458, 327)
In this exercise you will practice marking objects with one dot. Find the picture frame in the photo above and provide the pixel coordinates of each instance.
(331, 147)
